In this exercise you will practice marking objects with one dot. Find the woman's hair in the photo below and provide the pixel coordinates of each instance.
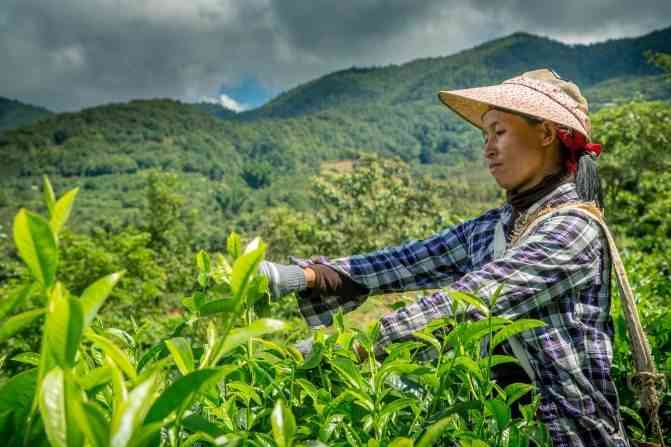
(587, 180)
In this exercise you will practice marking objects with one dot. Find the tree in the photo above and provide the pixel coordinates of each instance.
(633, 136)
(380, 202)
(662, 60)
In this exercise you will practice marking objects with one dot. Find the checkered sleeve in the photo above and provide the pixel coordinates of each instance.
(419, 264)
(561, 253)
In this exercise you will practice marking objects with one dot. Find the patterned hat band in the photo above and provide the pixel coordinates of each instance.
(555, 94)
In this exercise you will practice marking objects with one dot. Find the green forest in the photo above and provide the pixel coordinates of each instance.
(132, 312)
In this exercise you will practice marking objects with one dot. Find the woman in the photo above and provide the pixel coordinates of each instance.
(537, 148)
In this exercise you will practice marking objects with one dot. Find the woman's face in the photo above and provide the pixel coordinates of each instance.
(518, 154)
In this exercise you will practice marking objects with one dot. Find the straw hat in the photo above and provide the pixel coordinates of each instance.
(539, 93)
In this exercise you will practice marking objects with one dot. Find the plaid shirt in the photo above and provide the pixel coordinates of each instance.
(560, 273)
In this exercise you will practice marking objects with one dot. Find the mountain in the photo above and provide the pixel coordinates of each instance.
(229, 163)
(418, 81)
(16, 114)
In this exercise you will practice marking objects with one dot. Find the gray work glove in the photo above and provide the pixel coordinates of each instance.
(305, 346)
(283, 279)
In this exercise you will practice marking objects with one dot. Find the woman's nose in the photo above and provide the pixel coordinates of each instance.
(489, 148)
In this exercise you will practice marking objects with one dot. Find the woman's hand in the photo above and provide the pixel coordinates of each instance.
(284, 279)
(360, 352)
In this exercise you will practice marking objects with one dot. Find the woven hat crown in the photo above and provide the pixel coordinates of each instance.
(569, 88)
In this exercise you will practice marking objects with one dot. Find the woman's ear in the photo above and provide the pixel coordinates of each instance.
(549, 133)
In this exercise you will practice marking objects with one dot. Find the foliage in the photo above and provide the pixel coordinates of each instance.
(632, 136)
(662, 60)
(91, 385)
(375, 203)
(638, 188)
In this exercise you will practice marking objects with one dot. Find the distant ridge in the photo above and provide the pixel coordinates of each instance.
(14, 113)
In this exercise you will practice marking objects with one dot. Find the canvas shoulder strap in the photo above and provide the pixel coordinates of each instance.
(646, 379)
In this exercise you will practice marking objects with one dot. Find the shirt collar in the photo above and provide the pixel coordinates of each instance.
(565, 192)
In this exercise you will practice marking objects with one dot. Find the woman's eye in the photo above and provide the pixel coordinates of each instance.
(500, 132)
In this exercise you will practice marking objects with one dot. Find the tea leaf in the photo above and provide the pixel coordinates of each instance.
(180, 349)
(233, 245)
(29, 358)
(358, 397)
(516, 390)
(198, 423)
(501, 412)
(15, 299)
(634, 415)
(402, 442)
(469, 365)
(309, 388)
(180, 393)
(495, 360)
(95, 377)
(469, 299)
(203, 261)
(397, 405)
(283, 423)
(258, 328)
(48, 195)
(244, 269)
(253, 245)
(516, 327)
(474, 331)
(18, 322)
(63, 327)
(36, 245)
(129, 416)
(61, 211)
(433, 341)
(349, 373)
(95, 295)
(314, 357)
(247, 392)
(115, 353)
(58, 398)
(93, 422)
(435, 430)
(213, 307)
(52, 407)
(17, 394)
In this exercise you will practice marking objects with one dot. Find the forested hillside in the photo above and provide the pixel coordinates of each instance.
(17, 114)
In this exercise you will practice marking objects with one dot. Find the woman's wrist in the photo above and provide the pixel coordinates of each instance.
(310, 277)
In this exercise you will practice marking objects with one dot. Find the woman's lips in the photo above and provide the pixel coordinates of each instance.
(494, 166)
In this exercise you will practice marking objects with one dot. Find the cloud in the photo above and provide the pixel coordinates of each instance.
(76, 53)
(227, 102)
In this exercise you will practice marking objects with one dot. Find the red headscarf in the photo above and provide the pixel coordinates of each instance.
(576, 143)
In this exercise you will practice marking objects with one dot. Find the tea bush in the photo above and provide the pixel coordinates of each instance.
(231, 375)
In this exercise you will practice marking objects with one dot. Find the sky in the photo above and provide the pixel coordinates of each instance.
(70, 54)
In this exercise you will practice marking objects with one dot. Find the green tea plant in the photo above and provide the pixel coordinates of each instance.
(229, 375)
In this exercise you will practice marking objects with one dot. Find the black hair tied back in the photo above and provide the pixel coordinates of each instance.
(587, 181)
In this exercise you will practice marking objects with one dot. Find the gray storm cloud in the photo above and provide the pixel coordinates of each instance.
(71, 54)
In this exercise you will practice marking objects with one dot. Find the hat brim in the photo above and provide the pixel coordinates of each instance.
(472, 103)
